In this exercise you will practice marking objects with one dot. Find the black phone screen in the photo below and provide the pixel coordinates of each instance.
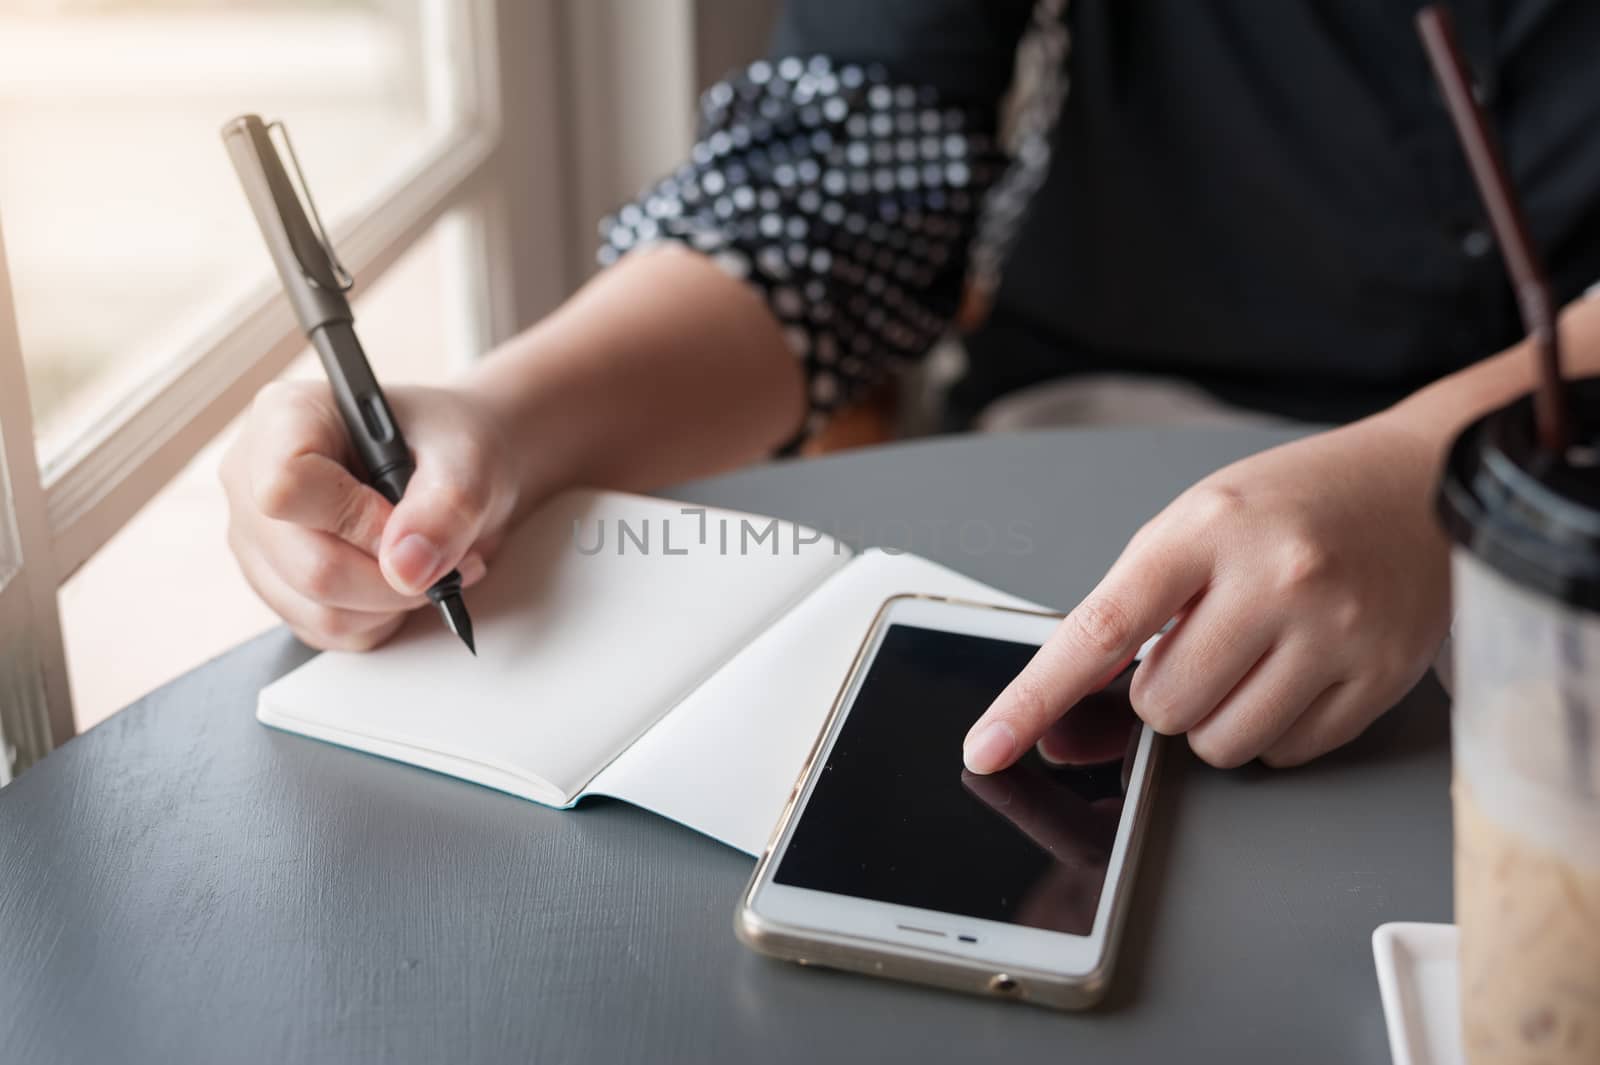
(895, 817)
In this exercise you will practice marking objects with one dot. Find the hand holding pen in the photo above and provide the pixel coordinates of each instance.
(332, 524)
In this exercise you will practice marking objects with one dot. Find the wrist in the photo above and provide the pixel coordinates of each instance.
(1441, 410)
(1407, 444)
(1405, 459)
(535, 434)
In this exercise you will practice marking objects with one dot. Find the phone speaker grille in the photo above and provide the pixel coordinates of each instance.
(924, 931)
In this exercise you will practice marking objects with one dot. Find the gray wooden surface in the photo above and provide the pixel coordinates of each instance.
(183, 885)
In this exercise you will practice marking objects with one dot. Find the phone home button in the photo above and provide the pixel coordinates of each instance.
(1002, 984)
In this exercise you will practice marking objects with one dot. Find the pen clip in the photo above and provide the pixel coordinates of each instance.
(341, 277)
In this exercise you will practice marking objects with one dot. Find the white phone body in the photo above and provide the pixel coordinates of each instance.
(947, 949)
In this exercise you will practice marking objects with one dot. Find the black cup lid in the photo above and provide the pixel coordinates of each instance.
(1531, 516)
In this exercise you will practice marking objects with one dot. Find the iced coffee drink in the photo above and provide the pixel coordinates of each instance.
(1530, 956)
(1525, 731)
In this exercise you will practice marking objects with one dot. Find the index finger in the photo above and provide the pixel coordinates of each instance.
(296, 474)
(1150, 583)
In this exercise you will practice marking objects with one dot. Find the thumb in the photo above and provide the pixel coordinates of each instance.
(433, 526)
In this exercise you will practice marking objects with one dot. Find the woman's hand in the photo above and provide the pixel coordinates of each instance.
(339, 564)
(1310, 589)
(662, 368)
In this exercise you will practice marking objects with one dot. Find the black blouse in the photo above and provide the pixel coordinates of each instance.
(1264, 198)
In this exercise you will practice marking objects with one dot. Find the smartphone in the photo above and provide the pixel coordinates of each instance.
(892, 859)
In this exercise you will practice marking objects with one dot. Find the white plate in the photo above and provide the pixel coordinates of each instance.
(1417, 977)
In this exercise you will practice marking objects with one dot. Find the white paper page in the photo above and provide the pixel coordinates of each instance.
(578, 653)
(725, 760)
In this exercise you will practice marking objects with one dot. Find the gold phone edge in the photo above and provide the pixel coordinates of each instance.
(932, 968)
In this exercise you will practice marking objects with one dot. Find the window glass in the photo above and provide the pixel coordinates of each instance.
(125, 228)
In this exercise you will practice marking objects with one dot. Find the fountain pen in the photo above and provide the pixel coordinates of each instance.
(316, 284)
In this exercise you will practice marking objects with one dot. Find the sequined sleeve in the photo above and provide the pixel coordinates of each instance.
(849, 200)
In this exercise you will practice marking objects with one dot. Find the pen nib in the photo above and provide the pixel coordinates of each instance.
(455, 616)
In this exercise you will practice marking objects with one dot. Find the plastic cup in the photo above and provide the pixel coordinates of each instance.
(1526, 736)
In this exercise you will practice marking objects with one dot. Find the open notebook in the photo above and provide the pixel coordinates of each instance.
(680, 658)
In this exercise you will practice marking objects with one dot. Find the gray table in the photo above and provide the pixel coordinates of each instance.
(183, 885)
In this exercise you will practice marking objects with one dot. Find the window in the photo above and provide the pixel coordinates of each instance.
(109, 114)
(174, 554)
(138, 313)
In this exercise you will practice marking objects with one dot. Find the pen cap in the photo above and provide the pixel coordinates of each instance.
(304, 262)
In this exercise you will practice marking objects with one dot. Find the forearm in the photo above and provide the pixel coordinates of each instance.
(1437, 413)
(661, 368)
(667, 367)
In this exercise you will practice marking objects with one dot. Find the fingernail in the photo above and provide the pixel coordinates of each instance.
(990, 748)
(472, 569)
(412, 562)
(1048, 753)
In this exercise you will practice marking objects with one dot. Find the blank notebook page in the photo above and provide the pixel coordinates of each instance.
(578, 654)
(724, 761)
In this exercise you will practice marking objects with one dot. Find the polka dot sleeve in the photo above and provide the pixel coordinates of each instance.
(848, 200)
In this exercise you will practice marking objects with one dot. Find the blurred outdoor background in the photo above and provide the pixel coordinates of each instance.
(126, 226)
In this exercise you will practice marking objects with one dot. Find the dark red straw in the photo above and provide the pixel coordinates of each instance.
(1438, 33)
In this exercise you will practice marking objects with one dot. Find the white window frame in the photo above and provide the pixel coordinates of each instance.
(494, 173)
(33, 677)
